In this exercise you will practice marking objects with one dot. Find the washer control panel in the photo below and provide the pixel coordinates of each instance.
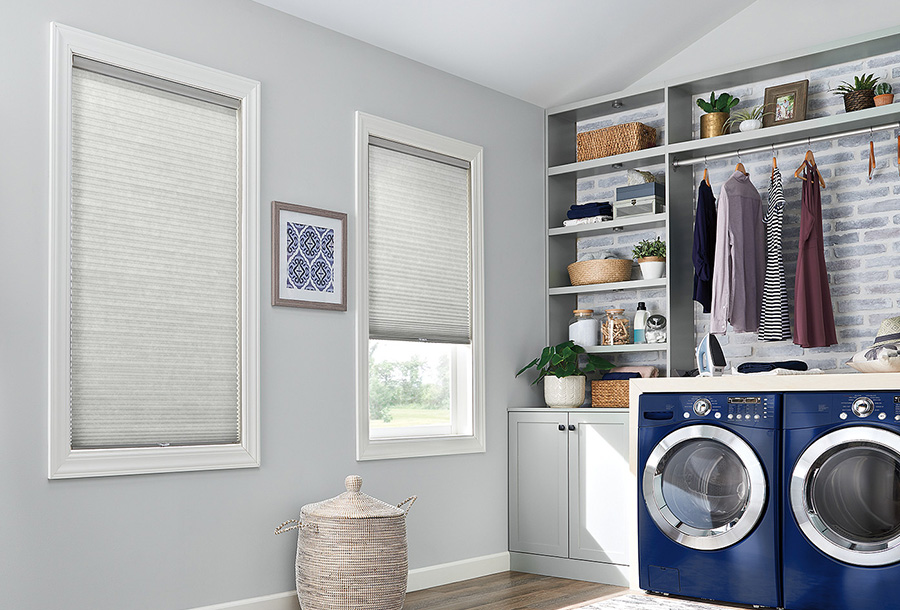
(877, 406)
(755, 410)
(749, 408)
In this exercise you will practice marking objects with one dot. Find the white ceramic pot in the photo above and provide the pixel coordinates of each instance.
(652, 267)
(564, 392)
(750, 124)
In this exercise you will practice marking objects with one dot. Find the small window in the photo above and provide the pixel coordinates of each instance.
(154, 263)
(420, 382)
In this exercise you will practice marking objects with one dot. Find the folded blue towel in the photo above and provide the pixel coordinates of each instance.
(761, 367)
(614, 376)
(573, 214)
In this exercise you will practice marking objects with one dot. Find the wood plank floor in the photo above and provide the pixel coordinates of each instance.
(510, 591)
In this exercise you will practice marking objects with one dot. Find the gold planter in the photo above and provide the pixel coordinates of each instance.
(712, 124)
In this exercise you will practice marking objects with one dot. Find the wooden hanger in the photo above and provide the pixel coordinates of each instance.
(706, 169)
(809, 160)
(740, 166)
(774, 163)
(871, 159)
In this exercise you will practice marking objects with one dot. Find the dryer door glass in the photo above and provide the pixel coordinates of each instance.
(704, 487)
(845, 493)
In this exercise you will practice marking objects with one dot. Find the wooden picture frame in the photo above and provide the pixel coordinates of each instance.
(309, 257)
(785, 103)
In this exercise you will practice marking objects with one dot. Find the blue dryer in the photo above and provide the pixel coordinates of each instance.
(841, 501)
(708, 505)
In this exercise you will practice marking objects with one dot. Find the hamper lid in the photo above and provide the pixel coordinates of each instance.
(352, 504)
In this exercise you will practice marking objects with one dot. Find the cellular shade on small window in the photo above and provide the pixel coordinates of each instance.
(155, 266)
(419, 245)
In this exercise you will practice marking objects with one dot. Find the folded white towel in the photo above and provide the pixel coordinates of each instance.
(585, 221)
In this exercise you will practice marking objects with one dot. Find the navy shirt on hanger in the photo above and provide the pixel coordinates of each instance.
(704, 250)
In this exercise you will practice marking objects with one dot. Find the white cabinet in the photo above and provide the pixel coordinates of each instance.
(568, 491)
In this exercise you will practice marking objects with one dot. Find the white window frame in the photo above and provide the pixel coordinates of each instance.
(63, 461)
(417, 446)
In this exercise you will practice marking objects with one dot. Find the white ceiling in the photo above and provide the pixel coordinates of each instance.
(547, 52)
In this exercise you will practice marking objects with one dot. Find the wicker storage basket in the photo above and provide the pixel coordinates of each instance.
(859, 100)
(609, 394)
(351, 552)
(600, 271)
(613, 140)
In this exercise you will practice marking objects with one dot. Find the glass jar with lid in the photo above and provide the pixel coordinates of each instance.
(583, 328)
(615, 329)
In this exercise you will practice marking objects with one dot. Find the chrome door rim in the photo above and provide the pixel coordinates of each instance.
(816, 531)
(685, 535)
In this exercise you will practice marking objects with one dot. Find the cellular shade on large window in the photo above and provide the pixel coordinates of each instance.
(419, 245)
(155, 310)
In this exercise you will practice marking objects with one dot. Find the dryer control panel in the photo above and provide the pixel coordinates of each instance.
(809, 409)
(877, 406)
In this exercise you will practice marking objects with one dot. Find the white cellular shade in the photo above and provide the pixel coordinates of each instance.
(155, 267)
(419, 255)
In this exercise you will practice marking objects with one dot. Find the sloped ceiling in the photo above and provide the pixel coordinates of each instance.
(547, 52)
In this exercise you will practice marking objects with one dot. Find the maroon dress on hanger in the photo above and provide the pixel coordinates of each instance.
(813, 314)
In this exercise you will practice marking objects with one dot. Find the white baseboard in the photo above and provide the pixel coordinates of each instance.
(420, 578)
(455, 571)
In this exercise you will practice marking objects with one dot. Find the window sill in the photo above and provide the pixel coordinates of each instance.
(395, 448)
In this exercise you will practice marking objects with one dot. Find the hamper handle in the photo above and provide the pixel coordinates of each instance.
(411, 500)
(296, 526)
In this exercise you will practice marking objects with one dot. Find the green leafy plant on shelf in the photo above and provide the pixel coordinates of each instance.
(722, 103)
(883, 89)
(562, 361)
(753, 113)
(646, 248)
(866, 82)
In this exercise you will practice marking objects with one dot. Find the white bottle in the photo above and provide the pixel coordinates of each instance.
(640, 323)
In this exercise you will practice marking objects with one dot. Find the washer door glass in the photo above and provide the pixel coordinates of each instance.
(845, 495)
(704, 487)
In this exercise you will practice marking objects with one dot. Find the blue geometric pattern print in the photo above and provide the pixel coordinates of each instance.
(310, 251)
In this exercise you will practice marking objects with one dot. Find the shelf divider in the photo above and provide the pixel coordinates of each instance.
(645, 220)
(609, 287)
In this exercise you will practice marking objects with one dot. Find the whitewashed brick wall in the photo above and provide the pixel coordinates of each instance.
(861, 221)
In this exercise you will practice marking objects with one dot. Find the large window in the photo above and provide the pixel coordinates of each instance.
(420, 383)
(153, 265)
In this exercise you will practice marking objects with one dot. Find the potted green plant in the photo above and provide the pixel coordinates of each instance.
(651, 256)
(884, 94)
(858, 95)
(717, 110)
(564, 381)
(748, 119)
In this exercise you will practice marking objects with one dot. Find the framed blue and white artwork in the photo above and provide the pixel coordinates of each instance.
(309, 257)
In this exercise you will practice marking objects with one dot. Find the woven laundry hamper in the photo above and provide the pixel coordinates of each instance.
(351, 552)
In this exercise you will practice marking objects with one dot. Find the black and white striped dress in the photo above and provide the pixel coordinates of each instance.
(774, 323)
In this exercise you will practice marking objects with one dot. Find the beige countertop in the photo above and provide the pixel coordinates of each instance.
(853, 382)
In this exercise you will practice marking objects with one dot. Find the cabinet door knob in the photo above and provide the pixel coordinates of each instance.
(571, 426)
(562, 427)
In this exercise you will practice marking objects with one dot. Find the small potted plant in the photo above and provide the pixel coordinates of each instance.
(749, 118)
(858, 95)
(564, 381)
(651, 256)
(717, 110)
(884, 94)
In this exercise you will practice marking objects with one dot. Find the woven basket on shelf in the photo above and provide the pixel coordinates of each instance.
(351, 552)
(609, 394)
(859, 100)
(600, 271)
(614, 140)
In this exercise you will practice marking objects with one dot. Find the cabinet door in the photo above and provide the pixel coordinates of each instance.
(538, 483)
(599, 487)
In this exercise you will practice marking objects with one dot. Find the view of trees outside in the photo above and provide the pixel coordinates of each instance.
(409, 384)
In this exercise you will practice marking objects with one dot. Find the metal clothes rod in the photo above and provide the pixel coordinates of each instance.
(749, 151)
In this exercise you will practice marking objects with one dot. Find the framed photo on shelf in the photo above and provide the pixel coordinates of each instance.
(309, 257)
(785, 103)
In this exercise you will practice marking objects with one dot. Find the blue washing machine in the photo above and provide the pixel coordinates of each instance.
(841, 498)
(708, 506)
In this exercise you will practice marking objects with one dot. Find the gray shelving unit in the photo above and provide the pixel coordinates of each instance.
(680, 143)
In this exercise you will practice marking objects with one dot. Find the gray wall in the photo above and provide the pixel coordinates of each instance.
(189, 539)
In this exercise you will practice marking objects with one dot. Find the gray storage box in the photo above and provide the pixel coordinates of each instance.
(641, 205)
(636, 191)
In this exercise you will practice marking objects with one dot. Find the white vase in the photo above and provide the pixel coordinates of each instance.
(652, 267)
(564, 392)
(750, 124)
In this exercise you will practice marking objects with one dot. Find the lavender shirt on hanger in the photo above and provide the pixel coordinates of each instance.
(739, 268)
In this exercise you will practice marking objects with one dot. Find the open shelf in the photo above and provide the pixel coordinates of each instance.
(609, 287)
(638, 158)
(627, 348)
(643, 221)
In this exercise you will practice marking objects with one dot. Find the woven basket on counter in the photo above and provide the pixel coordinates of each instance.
(600, 271)
(609, 394)
(614, 140)
(351, 552)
